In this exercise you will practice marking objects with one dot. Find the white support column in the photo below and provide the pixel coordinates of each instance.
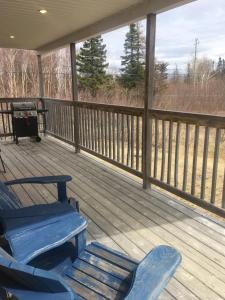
(75, 95)
(149, 96)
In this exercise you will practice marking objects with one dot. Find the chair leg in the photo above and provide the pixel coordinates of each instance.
(80, 243)
(2, 162)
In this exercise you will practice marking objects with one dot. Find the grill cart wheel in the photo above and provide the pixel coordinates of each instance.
(38, 139)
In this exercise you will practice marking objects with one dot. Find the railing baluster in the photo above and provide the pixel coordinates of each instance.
(106, 135)
(132, 141)
(110, 134)
(8, 118)
(215, 164)
(98, 130)
(102, 133)
(170, 152)
(86, 127)
(89, 128)
(65, 123)
(163, 150)
(128, 140)
(92, 129)
(3, 121)
(83, 128)
(176, 169)
(72, 124)
(204, 162)
(57, 117)
(195, 160)
(137, 143)
(223, 194)
(122, 138)
(156, 147)
(118, 137)
(95, 129)
(186, 157)
(113, 132)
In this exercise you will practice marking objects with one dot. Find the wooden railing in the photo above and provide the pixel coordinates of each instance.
(113, 133)
(187, 151)
(188, 156)
(60, 119)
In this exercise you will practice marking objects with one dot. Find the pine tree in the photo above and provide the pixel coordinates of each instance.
(132, 71)
(220, 70)
(160, 77)
(92, 65)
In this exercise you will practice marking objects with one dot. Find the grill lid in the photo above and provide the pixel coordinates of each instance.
(21, 106)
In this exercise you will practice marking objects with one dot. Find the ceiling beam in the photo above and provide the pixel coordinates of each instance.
(122, 18)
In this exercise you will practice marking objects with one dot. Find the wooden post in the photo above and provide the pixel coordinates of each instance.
(148, 99)
(75, 95)
(40, 76)
(41, 90)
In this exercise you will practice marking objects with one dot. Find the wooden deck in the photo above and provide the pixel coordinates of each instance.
(124, 216)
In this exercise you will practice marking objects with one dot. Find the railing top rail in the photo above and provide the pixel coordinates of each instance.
(61, 101)
(208, 120)
(18, 99)
(112, 108)
(190, 118)
(101, 106)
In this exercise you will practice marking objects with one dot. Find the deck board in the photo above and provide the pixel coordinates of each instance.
(124, 216)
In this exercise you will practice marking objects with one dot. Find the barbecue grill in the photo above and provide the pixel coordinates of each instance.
(24, 120)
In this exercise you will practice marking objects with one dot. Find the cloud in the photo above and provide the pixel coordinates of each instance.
(176, 32)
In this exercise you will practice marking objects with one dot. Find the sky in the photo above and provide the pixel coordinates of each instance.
(176, 32)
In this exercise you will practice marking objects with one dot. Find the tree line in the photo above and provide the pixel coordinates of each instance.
(200, 87)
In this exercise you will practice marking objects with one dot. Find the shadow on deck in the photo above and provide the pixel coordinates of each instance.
(124, 216)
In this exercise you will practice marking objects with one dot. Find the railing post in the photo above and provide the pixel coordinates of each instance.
(41, 89)
(75, 96)
(40, 76)
(148, 99)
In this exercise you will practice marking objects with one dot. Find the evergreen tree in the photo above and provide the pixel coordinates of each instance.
(132, 71)
(160, 77)
(92, 65)
(220, 70)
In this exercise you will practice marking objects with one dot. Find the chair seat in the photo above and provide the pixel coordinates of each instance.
(98, 273)
(101, 273)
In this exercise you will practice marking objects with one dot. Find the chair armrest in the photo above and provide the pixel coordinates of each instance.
(40, 180)
(60, 180)
(153, 273)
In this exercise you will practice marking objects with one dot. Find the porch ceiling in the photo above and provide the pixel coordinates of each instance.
(69, 20)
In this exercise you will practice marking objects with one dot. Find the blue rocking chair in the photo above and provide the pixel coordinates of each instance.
(48, 258)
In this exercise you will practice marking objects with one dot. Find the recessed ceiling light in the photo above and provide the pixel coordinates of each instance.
(12, 37)
(43, 11)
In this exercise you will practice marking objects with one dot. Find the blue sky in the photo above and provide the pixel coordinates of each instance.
(177, 30)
